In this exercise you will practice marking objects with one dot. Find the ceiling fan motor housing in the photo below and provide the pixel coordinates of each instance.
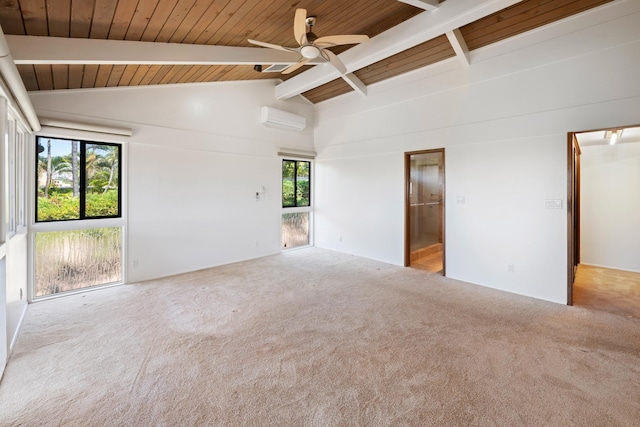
(310, 51)
(311, 21)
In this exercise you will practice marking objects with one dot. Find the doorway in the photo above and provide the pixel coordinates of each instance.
(424, 210)
(603, 200)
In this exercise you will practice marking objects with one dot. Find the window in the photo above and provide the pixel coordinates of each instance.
(77, 180)
(296, 190)
(16, 149)
(13, 171)
(296, 202)
(22, 162)
(75, 259)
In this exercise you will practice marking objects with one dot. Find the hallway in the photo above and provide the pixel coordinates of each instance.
(603, 289)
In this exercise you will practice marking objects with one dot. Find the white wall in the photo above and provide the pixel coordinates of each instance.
(16, 273)
(197, 156)
(13, 249)
(3, 316)
(503, 122)
(610, 206)
(359, 205)
(4, 222)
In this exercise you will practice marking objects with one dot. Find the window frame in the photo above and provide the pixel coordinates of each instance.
(12, 165)
(82, 182)
(295, 184)
(298, 209)
(16, 138)
(22, 180)
(74, 224)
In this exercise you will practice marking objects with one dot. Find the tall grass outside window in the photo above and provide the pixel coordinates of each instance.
(77, 259)
(295, 229)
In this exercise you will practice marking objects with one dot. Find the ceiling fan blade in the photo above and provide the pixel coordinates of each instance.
(300, 26)
(334, 60)
(270, 45)
(340, 40)
(293, 67)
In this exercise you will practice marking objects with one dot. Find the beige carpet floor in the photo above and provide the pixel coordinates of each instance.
(318, 338)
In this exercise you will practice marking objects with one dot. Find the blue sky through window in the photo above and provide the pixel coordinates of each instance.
(59, 147)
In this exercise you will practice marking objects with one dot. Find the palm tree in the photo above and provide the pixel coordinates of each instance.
(47, 183)
(112, 159)
(62, 170)
(102, 166)
(56, 167)
(74, 168)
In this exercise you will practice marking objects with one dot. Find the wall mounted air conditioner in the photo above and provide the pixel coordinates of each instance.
(270, 116)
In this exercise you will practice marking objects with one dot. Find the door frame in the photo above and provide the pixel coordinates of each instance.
(573, 204)
(407, 202)
(573, 211)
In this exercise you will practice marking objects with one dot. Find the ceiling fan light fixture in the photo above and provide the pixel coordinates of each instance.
(310, 51)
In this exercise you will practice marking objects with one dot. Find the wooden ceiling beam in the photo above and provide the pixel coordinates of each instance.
(450, 16)
(60, 50)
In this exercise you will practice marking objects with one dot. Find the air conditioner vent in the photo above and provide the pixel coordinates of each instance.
(275, 68)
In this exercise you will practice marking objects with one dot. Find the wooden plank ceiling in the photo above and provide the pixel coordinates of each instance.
(231, 23)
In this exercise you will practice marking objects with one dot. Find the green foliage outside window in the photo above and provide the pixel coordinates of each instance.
(102, 204)
(58, 207)
(61, 206)
(296, 190)
(71, 171)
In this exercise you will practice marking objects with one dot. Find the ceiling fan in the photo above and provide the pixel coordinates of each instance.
(311, 46)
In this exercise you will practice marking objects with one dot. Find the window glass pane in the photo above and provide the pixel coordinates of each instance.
(22, 179)
(13, 174)
(295, 229)
(102, 180)
(302, 184)
(68, 260)
(20, 182)
(288, 183)
(77, 180)
(57, 180)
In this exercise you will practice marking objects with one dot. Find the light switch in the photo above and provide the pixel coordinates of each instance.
(460, 200)
(553, 204)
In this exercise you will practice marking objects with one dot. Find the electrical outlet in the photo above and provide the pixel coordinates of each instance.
(510, 268)
(135, 263)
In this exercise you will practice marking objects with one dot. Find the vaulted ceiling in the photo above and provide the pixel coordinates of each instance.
(71, 44)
